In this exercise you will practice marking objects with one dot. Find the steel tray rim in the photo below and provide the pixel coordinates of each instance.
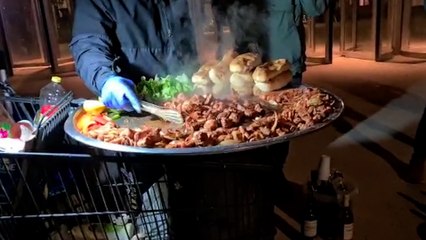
(72, 131)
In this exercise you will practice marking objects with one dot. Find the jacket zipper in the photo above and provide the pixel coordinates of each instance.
(167, 30)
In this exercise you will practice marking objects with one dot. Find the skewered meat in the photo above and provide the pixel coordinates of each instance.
(209, 121)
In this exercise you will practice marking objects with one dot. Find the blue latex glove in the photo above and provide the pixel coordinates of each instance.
(119, 93)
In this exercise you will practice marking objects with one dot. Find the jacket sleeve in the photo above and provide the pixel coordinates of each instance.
(91, 44)
(314, 8)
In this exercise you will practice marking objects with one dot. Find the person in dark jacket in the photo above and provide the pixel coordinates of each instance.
(221, 19)
(416, 166)
(286, 33)
(418, 158)
(276, 27)
(116, 42)
(285, 38)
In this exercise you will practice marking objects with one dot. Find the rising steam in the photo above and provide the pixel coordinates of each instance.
(248, 33)
(245, 20)
(248, 28)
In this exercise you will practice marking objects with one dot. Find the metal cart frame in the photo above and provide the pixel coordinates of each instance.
(63, 190)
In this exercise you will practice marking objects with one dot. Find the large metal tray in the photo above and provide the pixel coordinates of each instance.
(71, 130)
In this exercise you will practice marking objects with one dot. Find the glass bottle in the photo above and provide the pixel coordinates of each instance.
(310, 219)
(347, 226)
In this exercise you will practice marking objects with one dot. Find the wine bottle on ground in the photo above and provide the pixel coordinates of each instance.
(324, 186)
(326, 197)
(347, 226)
(310, 219)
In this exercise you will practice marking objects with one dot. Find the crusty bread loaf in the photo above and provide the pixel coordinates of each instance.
(243, 93)
(257, 91)
(269, 70)
(201, 77)
(275, 83)
(245, 63)
(229, 56)
(220, 74)
(242, 83)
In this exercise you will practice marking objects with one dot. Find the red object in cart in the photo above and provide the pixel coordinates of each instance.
(48, 110)
(50, 96)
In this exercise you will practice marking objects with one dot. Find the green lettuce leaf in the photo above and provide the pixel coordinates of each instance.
(164, 88)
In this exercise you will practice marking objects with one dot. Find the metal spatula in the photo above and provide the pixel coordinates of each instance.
(164, 113)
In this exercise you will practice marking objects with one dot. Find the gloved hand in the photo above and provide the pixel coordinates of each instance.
(120, 93)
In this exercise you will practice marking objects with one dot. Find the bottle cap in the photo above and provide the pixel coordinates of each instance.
(56, 79)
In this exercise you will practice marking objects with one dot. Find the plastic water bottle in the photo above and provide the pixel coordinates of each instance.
(50, 96)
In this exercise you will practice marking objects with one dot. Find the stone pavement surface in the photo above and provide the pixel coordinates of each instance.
(370, 143)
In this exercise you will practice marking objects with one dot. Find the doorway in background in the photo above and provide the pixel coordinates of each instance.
(319, 37)
(381, 29)
(36, 33)
(413, 39)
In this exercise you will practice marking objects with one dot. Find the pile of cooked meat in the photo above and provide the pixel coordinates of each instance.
(210, 121)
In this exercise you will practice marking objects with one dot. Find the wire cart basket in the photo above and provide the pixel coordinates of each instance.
(62, 190)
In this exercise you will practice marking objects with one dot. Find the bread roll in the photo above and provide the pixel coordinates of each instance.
(243, 92)
(242, 84)
(241, 81)
(269, 70)
(229, 56)
(221, 90)
(220, 74)
(257, 91)
(202, 89)
(276, 83)
(201, 77)
(245, 63)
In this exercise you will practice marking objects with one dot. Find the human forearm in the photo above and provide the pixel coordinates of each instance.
(94, 60)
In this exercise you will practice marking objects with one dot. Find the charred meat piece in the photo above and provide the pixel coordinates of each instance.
(210, 125)
(235, 117)
(226, 122)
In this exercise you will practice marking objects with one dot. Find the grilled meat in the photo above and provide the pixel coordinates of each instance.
(210, 121)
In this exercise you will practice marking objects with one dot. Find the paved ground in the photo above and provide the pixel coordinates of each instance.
(371, 144)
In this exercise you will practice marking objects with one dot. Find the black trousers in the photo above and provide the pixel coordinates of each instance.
(419, 147)
(230, 197)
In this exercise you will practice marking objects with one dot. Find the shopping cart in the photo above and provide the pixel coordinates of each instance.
(62, 190)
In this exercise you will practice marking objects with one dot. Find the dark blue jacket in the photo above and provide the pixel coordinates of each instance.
(276, 26)
(132, 37)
